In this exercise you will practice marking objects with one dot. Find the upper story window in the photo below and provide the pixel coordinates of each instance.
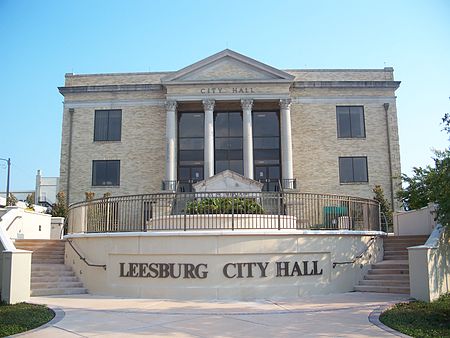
(353, 169)
(350, 122)
(108, 125)
(106, 173)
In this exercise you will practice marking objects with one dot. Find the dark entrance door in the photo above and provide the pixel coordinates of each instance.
(189, 176)
(269, 175)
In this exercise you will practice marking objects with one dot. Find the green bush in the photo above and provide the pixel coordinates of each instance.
(224, 205)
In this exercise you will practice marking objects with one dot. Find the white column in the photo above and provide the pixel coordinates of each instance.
(171, 141)
(248, 137)
(208, 106)
(286, 139)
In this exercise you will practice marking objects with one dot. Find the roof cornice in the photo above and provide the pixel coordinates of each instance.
(110, 88)
(347, 84)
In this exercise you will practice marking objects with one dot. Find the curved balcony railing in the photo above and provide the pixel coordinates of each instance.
(224, 210)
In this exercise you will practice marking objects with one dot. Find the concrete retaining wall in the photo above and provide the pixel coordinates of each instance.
(222, 264)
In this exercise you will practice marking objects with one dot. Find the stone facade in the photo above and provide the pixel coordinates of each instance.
(313, 97)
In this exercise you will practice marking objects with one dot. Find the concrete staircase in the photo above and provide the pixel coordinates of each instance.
(392, 274)
(49, 274)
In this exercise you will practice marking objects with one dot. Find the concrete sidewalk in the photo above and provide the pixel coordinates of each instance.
(339, 315)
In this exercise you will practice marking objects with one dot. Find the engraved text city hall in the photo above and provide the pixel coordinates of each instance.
(229, 270)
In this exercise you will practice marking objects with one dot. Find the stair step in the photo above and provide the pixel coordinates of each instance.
(52, 273)
(50, 267)
(393, 252)
(48, 292)
(393, 257)
(56, 285)
(386, 277)
(384, 282)
(382, 289)
(54, 278)
(388, 272)
(47, 260)
(391, 266)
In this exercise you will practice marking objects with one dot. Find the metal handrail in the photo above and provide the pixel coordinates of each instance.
(369, 244)
(84, 259)
(224, 210)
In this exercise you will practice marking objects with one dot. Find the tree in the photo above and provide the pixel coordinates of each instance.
(59, 209)
(11, 200)
(30, 201)
(385, 207)
(430, 184)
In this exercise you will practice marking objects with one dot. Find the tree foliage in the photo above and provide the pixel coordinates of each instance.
(385, 206)
(430, 184)
(11, 200)
(59, 208)
(30, 201)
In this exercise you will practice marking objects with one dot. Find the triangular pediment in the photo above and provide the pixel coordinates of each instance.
(227, 66)
(228, 181)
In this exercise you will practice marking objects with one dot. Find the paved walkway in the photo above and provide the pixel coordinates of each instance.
(341, 315)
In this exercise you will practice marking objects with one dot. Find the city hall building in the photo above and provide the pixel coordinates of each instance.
(228, 179)
(328, 131)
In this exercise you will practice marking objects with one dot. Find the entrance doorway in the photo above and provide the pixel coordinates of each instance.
(269, 175)
(189, 176)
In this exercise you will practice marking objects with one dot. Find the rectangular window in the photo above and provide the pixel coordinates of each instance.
(108, 125)
(228, 142)
(106, 173)
(350, 122)
(353, 169)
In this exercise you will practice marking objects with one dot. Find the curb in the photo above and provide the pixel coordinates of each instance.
(374, 318)
(59, 315)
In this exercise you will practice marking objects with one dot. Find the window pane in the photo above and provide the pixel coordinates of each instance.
(191, 155)
(266, 143)
(266, 154)
(360, 169)
(221, 155)
(343, 122)
(184, 173)
(345, 169)
(235, 143)
(235, 124)
(112, 172)
(237, 166)
(221, 125)
(274, 172)
(221, 143)
(221, 166)
(115, 123)
(266, 124)
(235, 155)
(357, 121)
(191, 143)
(101, 125)
(191, 125)
(106, 172)
(98, 172)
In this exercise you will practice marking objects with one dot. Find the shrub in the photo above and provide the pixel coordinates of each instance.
(224, 205)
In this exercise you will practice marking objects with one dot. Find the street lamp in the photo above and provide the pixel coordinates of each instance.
(7, 180)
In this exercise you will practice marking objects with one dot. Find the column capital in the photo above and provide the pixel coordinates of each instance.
(285, 103)
(208, 104)
(171, 105)
(247, 104)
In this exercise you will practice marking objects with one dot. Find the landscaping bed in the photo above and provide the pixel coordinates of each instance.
(420, 319)
(22, 317)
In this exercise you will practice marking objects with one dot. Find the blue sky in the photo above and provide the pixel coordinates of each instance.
(40, 41)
